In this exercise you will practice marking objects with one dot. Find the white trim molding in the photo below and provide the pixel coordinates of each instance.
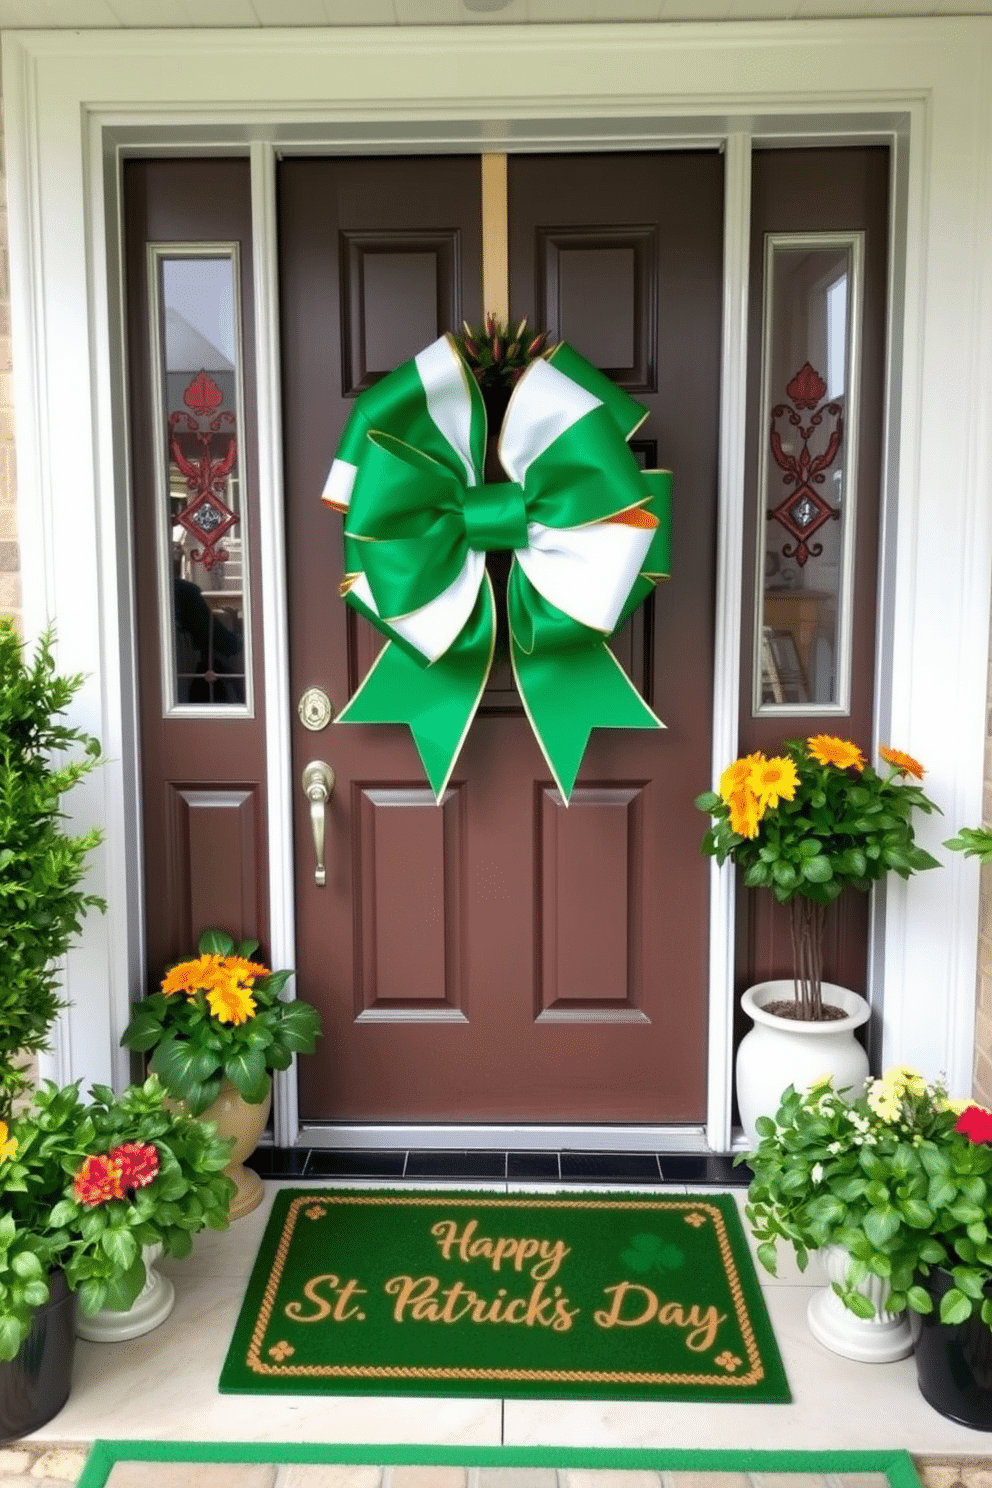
(76, 101)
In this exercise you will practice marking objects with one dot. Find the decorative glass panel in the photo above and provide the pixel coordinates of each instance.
(203, 548)
(807, 474)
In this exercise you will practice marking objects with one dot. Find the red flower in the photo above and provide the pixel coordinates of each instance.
(975, 1123)
(98, 1180)
(138, 1163)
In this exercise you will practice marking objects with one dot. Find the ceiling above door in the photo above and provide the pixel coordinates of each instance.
(182, 14)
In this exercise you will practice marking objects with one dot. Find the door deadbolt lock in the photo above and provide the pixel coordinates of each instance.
(315, 709)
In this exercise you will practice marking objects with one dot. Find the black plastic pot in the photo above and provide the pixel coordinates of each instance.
(954, 1362)
(34, 1385)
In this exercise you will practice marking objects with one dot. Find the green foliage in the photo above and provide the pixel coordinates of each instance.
(496, 354)
(889, 1178)
(41, 865)
(44, 1226)
(193, 1049)
(974, 842)
(843, 828)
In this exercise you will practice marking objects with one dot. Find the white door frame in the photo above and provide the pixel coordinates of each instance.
(70, 109)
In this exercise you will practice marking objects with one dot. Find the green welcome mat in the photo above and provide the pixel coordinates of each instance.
(510, 1295)
(125, 1460)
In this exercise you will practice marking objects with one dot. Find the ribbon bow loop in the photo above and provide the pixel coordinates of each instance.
(588, 530)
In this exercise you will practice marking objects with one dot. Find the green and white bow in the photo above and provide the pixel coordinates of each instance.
(589, 531)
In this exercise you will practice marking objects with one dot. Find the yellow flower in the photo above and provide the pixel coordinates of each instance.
(904, 763)
(8, 1145)
(736, 776)
(773, 779)
(883, 1100)
(744, 813)
(230, 1002)
(839, 752)
(955, 1105)
(901, 1079)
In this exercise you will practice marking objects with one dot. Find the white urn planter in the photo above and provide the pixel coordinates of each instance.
(150, 1308)
(779, 1052)
(877, 1340)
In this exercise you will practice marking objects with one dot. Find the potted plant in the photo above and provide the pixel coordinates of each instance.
(807, 825)
(42, 903)
(84, 1188)
(41, 865)
(900, 1180)
(216, 1030)
(974, 842)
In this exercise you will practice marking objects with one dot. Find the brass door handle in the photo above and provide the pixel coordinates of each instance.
(318, 782)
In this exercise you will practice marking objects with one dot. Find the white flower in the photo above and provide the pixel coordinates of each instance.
(816, 1172)
(834, 1148)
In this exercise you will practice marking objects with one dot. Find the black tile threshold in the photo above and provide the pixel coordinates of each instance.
(432, 1165)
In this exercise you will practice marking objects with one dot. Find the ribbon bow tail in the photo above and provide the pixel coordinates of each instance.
(437, 700)
(569, 682)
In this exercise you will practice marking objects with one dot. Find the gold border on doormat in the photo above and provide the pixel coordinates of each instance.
(561, 1376)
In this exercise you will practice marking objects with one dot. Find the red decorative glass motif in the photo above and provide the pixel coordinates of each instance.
(206, 516)
(803, 509)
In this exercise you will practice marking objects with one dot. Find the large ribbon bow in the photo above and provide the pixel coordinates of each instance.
(589, 532)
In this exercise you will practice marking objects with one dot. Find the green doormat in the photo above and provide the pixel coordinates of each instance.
(492, 1294)
(157, 1464)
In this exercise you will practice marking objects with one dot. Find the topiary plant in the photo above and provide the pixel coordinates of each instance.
(41, 865)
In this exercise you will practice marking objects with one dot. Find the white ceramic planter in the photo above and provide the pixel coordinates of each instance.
(150, 1308)
(876, 1340)
(779, 1052)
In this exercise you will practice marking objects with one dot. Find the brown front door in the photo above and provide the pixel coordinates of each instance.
(500, 957)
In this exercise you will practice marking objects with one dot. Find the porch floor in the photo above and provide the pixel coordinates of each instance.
(164, 1385)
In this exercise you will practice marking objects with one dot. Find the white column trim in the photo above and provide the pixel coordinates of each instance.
(275, 603)
(728, 627)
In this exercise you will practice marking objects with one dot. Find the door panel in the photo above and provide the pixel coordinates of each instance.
(203, 774)
(818, 192)
(503, 958)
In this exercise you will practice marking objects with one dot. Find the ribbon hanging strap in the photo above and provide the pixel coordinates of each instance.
(589, 533)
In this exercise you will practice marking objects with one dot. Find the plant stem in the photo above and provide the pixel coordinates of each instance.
(807, 921)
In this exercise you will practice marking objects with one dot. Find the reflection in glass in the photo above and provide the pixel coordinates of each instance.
(812, 303)
(205, 612)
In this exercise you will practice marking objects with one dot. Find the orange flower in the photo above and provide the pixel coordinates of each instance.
(744, 814)
(245, 971)
(839, 752)
(772, 780)
(904, 763)
(98, 1180)
(188, 976)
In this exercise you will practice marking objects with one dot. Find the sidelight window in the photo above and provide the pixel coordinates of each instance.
(202, 537)
(807, 474)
